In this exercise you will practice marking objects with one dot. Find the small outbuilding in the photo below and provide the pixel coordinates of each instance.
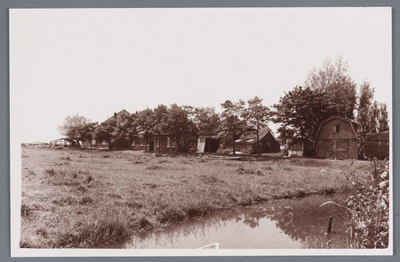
(247, 143)
(299, 147)
(62, 142)
(207, 143)
(337, 139)
(377, 145)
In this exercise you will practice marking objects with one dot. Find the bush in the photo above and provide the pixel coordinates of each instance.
(50, 172)
(369, 208)
(285, 151)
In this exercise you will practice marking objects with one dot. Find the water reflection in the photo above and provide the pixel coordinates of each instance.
(298, 223)
(304, 221)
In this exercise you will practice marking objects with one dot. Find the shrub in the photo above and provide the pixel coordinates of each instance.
(50, 172)
(285, 151)
(369, 208)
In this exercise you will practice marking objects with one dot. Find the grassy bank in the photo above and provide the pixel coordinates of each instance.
(74, 198)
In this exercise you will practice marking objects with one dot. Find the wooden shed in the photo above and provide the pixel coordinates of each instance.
(247, 143)
(337, 139)
(377, 145)
(207, 143)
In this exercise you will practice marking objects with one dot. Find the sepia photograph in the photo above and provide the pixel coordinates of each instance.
(201, 131)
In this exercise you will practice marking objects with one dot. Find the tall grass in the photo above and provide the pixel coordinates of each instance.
(369, 207)
(99, 200)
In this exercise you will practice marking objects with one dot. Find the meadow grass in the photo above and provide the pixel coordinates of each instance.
(84, 198)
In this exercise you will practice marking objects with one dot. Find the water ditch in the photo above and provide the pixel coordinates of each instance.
(280, 224)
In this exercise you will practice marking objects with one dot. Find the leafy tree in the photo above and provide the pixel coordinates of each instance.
(178, 124)
(119, 130)
(77, 129)
(145, 124)
(256, 115)
(363, 117)
(301, 111)
(174, 121)
(232, 119)
(160, 119)
(383, 121)
(207, 121)
(374, 117)
(337, 84)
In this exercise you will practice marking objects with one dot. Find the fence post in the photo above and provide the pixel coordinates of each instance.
(330, 225)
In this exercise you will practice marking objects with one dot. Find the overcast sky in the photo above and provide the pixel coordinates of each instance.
(94, 62)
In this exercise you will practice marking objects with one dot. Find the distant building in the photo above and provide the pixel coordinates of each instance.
(299, 147)
(61, 142)
(165, 143)
(247, 143)
(337, 139)
(207, 143)
(135, 143)
(94, 144)
(377, 145)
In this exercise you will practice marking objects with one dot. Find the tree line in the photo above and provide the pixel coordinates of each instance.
(328, 91)
(180, 122)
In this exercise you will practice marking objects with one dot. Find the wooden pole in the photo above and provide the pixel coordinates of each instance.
(330, 225)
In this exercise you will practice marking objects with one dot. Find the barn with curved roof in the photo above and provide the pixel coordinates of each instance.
(337, 139)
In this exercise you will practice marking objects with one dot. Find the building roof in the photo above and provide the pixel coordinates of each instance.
(250, 137)
(123, 112)
(383, 136)
(59, 139)
(352, 124)
(253, 134)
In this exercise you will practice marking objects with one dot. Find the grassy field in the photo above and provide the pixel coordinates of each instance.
(83, 198)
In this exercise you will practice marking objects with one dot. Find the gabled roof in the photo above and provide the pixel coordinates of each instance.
(353, 124)
(253, 134)
(123, 112)
(250, 137)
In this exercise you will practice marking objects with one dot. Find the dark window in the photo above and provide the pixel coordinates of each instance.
(336, 128)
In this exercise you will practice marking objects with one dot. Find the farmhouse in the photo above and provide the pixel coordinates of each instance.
(165, 142)
(120, 119)
(62, 142)
(377, 145)
(247, 143)
(336, 139)
(95, 144)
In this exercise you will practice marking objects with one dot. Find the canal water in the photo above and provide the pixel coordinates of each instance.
(279, 224)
